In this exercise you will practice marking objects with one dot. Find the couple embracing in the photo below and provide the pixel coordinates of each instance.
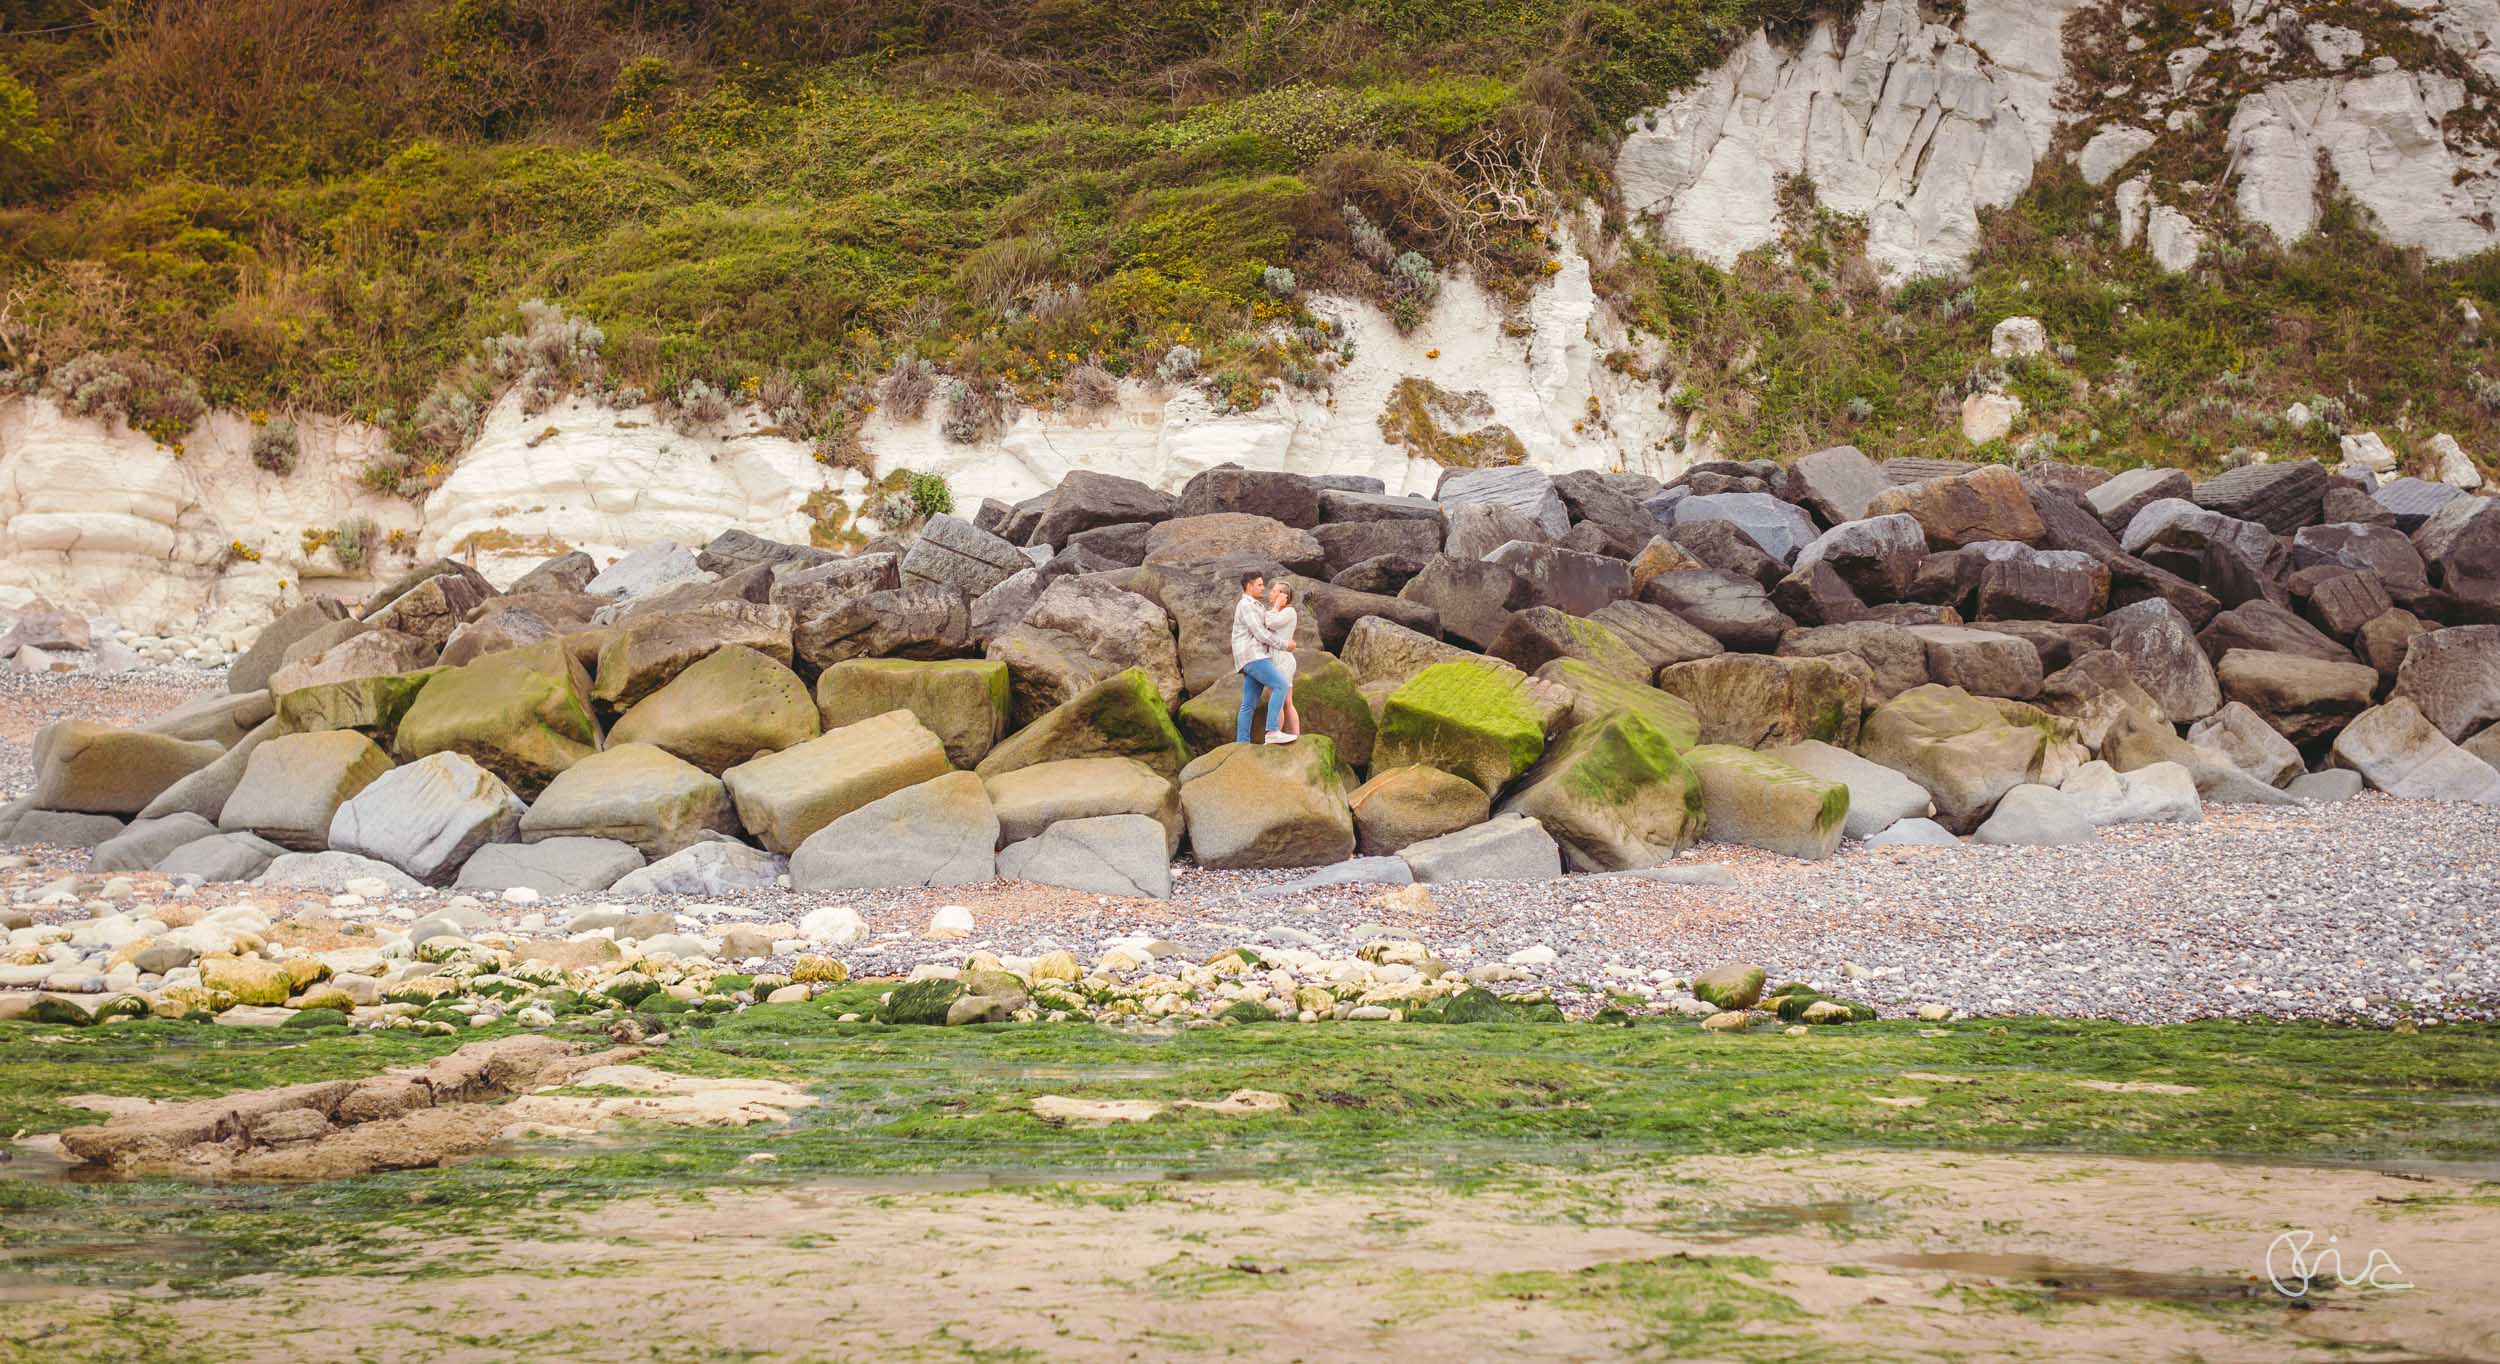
(1263, 626)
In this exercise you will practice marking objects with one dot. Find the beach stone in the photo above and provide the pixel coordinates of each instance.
(226, 857)
(784, 798)
(940, 832)
(1879, 797)
(1029, 800)
(1615, 794)
(2333, 784)
(1506, 848)
(370, 703)
(722, 711)
(1957, 746)
(1464, 718)
(335, 871)
(146, 842)
(718, 867)
(428, 817)
(1762, 802)
(1756, 701)
(552, 866)
(1256, 806)
(2032, 815)
(295, 783)
(635, 794)
(1915, 833)
(1657, 634)
(222, 720)
(963, 701)
(920, 620)
(59, 829)
(86, 768)
(523, 715)
(1878, 557)
(1120, 855)
(2116, 500)
(1406, 805)
(1122, 716)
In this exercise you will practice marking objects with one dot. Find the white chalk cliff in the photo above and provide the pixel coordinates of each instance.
(1918, 119)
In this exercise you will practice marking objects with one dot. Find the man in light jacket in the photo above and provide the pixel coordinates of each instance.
(1251, 642)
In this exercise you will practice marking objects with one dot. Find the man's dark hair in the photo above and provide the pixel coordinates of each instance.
(1252, 576)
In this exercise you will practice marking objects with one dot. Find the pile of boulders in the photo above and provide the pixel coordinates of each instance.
(1519, 676)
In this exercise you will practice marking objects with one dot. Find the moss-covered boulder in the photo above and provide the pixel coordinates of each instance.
(1541, 634)
(922, 1002)
(371, 706)
(1962, 749)
(1118, 717)
(784, 797)
(1464, 718)
(1596, 694)
(1268, 805)
(1731, 987)
(963, 701)
(1324, 694)
(523, 715)
(1407, 805)
(722, 711)
(1615, 794)
(249, 979)
(1757, 800)
(636, 794)
(1757, 701)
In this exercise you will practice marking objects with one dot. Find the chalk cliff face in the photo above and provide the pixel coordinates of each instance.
(1914, 125)
(1919, 120)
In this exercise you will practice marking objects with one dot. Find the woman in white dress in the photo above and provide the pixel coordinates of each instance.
(1281, 620)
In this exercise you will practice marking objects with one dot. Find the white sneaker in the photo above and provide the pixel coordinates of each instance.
(1281, 737)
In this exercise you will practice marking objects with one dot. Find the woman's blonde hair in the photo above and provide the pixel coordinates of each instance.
(1281, 583)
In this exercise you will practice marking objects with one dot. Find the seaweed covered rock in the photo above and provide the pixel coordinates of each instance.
(722, 711)
(635, 794)
(1615, 794)
(1759, 801)
(1464, 718)
(1324, 693)
(1755, 700)
(523, 715)
(1957, 746)
(964, 701)
(1122, 716)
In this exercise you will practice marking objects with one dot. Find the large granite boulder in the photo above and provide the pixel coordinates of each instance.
(1257, 806)
(646, 652)
(1029, 800)
(295, 783)
(2269, 628)
(1462, 717)
(1733, 610)
(964, 701)
(722, 711)
(204, 792)
(87, 768)
(783, 798)
(2282, 495)
(2161, 651)
(1762, 802)
(954, 553)
(1615, 794)
(2398, 750)
(1118, 855)
(2453, 677)
(919, 620)
(1122, 716)
(225, 858)
(1472, 598)
(1228, 535)
(1406, 805)
(1079, 632)
(524, 716)
(1877, 557)
(1988, 503)
(428, 817)
(432, 609)
(2306, 699)
(1754, 700)
(1981, 662)
(1086, 500)
(1896, 659)
(145, 842)
(1200, 599)
(371, 704)
(1291, 499)
(636, 794)
(1957, 746)
(1509, 848)
(940, 832)
(1657, 634)
(2033, 815)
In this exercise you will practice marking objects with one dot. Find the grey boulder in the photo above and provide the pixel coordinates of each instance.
(1123, 855)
